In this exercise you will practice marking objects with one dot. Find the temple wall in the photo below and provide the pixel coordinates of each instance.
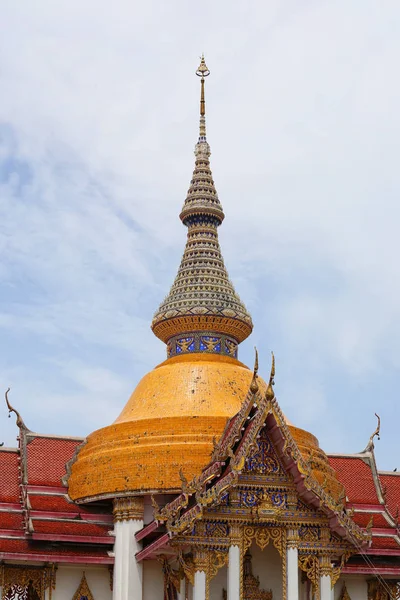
(218, 583)
(267, 565)
(153, 581)
(68, 579)
(356, 587)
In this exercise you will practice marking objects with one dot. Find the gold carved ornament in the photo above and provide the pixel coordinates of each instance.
(336, 571)
(310, 565)
(172, 578)
(209, 561)
(40, 579)
(380, 589)
(83, 590)
(263, 536)
(344, 594)
(128, 508)
(186, 566)
(251, 583)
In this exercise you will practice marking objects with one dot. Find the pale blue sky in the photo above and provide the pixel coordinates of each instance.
(98, 120)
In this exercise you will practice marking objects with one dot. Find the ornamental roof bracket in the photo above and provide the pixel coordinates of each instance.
(368, 456)
(19, 420)
(254, 384)
(270, 391)
(370, 446)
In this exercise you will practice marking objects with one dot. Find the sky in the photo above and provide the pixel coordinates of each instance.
(98, 121)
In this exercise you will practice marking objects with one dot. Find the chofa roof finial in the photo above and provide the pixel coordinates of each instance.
(271, 383)
(19, 421)
(254, 384)
(370, 445)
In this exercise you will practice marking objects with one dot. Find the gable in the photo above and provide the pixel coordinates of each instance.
(264, 460)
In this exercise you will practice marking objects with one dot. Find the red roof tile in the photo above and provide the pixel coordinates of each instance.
(391, 485)
(52, 503)
(363, 519)
(356, 476)
(27, 547)
(11, 520)
(384, 542)
(70, 528)
(9, 479)
(47, 458)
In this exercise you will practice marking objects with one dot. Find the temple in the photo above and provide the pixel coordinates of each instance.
(201, 489)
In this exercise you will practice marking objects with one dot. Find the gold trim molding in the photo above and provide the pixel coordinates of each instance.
(128, 508)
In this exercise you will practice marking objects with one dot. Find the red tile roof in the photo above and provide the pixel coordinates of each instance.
(11, 520)
(70, 528)
(33, 549)
(364, 518)
(391, 485)
(52, 516)
(385, 542)
(41, 470)
(53, 503)
(356, 476)
(9, 479)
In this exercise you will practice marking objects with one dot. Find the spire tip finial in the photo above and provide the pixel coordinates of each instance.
(203, 70)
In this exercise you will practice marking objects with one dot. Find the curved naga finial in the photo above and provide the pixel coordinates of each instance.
(370, 445)
(20, 421)
(254, 384)
(272, 375)
(270, 391)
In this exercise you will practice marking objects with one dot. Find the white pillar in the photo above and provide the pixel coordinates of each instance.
(325, 587)
(234, 573)
(292, 570)
(118, 553)
(325, 579)
(292, 567)
(199, 589)
(181, 593)
(128, 514)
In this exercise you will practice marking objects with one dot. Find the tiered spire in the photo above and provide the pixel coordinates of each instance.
(202, 312)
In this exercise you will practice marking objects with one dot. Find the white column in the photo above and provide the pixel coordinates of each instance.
(199, 589)
(118, 553)
(325, 579)
(325, 587)
(292, 568)
(181, 593)
(128, 584)
(234, 573)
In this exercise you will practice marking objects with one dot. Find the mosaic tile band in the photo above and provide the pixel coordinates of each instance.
(202, 341)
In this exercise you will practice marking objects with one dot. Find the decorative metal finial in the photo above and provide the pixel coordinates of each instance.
(370, 446)
(202, 72)
(254, 384)
(20, 422)
(271, 383)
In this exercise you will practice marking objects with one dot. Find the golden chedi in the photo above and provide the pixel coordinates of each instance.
(178, 408)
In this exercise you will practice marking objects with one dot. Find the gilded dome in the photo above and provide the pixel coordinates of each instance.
(168, 423)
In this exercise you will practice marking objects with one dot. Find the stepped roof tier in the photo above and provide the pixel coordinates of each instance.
(202, 309)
